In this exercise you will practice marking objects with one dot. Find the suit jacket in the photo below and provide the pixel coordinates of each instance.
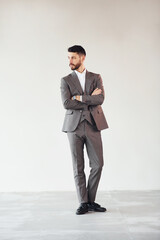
(70, 86)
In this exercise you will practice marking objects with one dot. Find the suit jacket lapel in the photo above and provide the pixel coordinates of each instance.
(88, 82)
(77, 84)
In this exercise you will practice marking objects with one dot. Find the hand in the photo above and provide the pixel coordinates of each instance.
(77, 98)
(96, 91)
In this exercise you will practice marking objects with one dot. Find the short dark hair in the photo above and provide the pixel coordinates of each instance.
(77, 48)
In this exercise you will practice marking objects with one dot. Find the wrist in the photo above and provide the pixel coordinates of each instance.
(78, 98)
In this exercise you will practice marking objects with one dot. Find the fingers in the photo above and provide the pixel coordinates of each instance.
(97, 91)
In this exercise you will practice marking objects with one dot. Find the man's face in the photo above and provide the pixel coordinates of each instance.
(75, 60)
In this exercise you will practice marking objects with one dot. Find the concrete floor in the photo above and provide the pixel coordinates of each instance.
(133, 215)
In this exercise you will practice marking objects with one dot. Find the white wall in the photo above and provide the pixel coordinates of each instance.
(121, 39)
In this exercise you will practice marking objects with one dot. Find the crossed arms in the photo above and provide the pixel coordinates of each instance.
(96, 97)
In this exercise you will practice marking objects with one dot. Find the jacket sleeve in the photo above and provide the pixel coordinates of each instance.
(95, 99)
(68, 103)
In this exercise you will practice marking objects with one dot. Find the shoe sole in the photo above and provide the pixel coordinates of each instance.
(95, 210)
(81, 213)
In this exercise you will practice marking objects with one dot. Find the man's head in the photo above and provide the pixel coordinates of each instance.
(76, 56)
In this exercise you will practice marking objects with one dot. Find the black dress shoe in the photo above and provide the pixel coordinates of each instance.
(96, 207)
(83, 208)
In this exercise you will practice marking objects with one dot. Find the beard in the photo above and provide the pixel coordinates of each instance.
(74, 67)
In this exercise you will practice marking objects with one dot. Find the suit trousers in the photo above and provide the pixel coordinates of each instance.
(88, 135)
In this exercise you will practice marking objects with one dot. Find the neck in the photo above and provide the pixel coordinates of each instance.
(81, 69)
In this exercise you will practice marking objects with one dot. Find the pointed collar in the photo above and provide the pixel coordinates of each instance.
(81, 73)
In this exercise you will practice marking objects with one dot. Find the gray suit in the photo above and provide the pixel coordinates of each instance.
(83, 123)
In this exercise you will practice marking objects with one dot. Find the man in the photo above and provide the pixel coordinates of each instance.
(82, 95)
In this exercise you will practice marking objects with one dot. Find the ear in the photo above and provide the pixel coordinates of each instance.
(83, 57)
